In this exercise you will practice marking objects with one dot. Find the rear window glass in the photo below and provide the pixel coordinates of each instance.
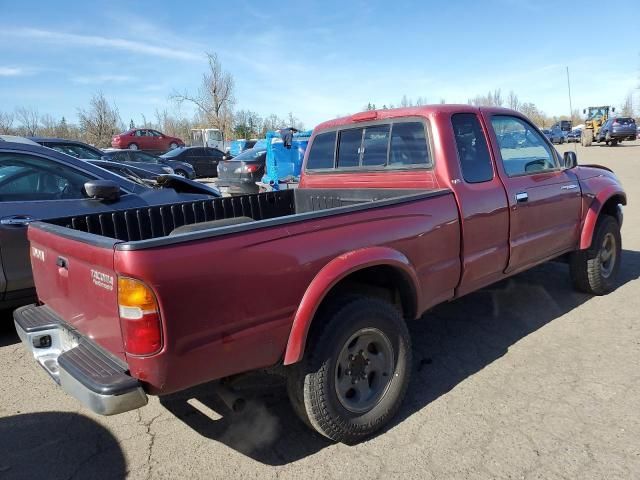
(394, 145)
(322, 150)
(624, 120)
(408, 145)
(374, 146)
(349, 148)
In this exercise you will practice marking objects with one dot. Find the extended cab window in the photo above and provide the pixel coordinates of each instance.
(523, 149)
(473, 152)
(322, 151)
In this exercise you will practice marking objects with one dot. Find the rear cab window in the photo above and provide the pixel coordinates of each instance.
(394, 145)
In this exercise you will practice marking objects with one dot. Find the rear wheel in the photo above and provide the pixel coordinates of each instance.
(180, 173)
(594, 270)
(133, 146)
(355, 372)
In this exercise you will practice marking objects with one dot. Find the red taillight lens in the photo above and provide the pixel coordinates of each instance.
(139, 317)
(251, 168)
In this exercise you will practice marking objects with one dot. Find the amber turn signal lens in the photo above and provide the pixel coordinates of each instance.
(134, 293)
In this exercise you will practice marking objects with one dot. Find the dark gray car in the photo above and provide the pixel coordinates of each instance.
(38, 183)
(84, 151)
(138, 158)
(204, 159)
(616, 130)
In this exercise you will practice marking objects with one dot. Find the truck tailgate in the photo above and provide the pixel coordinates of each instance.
(76, 280)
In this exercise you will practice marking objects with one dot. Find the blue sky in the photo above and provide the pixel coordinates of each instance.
(317, 60)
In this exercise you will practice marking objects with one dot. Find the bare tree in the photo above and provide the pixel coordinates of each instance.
(100, 121)
(6, 122)
(215, 99)
(512, 101)
(48, 126)
(627, 106)
(492, 99)
(29, 120)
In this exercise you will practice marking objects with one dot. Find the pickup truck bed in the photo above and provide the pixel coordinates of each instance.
(158, 225)
(209, 275)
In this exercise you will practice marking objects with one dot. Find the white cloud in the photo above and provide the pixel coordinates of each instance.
(103, 42)
(11, 72)
(99, 79)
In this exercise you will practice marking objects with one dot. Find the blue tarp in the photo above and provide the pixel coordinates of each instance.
(237, 147)
(284, 164)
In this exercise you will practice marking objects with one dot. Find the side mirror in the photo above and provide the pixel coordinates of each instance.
(105, 190)
(570, 159)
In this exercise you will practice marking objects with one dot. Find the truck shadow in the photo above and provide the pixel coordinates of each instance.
(8, 335)
(452, 342)
(58, 445)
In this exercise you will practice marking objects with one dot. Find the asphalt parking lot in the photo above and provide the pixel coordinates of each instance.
(525, 379)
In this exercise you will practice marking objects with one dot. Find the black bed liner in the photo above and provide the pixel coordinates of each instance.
(146, 227)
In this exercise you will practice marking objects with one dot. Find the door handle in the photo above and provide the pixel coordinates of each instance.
(17, 220)
(522, 197)
(569, 187)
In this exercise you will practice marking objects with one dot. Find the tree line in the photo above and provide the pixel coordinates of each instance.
(214, 104)
(496, 99)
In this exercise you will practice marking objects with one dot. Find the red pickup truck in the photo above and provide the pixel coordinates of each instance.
(397, 211)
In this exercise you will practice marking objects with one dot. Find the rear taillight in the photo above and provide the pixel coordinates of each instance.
(139, 317)
(251, 168)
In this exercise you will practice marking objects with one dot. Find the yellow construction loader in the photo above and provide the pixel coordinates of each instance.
(596, 117)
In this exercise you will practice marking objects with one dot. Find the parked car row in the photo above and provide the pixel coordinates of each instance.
(555, 135)
(574, 136)
(38, 183)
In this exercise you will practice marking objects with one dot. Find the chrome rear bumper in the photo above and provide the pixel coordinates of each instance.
(78, 365)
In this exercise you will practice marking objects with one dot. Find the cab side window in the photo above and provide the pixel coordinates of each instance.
(523, 149)
(473, 152)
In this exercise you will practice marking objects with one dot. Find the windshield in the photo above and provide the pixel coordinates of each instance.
(173, 153)
(77, 151)
(596, 112)
(144, 157)
(250, 155)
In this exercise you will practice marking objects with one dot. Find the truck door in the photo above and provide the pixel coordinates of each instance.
(545, 201)
(483, 205)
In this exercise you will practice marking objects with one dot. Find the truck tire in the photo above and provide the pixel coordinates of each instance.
(355, 371)
(594, 270)
(587, 138)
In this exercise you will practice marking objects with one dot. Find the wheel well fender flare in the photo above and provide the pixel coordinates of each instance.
(328, 277)
(608, 198)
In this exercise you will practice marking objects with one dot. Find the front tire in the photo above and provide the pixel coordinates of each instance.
(355, 372)
(595, 270)
(181, 173)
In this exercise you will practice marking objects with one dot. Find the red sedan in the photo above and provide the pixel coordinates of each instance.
(146, 139)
